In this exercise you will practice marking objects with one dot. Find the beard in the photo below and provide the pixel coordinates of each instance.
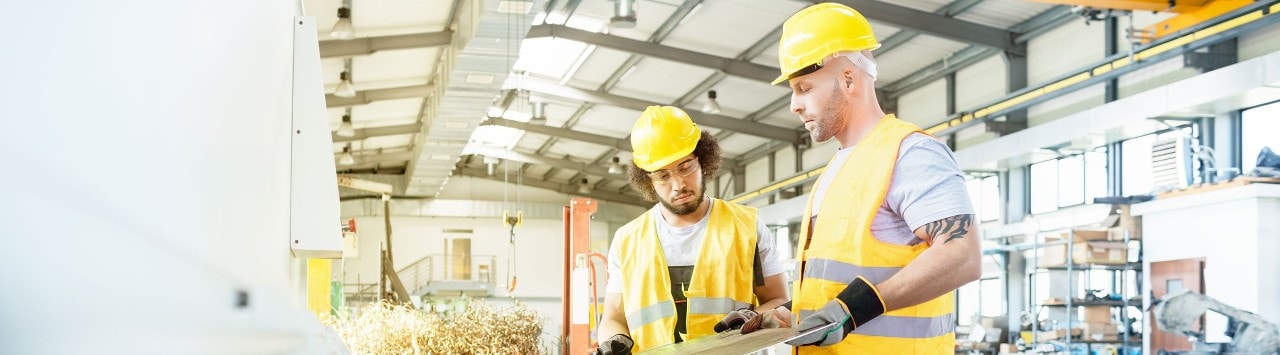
(687, 207)
(830, 119)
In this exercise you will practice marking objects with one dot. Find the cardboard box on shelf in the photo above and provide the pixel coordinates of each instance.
(1100, 331)
(1088, 234)
(1091, 252)
(1008, 349)
(1095, 314)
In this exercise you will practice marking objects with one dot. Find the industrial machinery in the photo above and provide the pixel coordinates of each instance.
(1177, 312)
(1188, 13)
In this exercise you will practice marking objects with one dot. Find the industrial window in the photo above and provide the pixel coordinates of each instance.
(1260, 127)
(1069, 180)
(985, 194)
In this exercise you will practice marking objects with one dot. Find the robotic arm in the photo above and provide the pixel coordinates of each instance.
(1177, 313)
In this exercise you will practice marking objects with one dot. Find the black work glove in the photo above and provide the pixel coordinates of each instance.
(735, 319)
(618, 344)
(858, 304)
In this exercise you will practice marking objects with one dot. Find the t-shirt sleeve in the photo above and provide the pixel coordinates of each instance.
(771, 262)
(927, 183)
(614, 284)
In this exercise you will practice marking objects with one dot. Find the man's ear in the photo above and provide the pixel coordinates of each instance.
(846, 76)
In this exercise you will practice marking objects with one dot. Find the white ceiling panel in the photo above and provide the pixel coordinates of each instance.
(549, 57)
(741, 96)
(738, 144)
(537, 170)
(581, 151)
(607, 120)
(917, 53)
(531, 141)
(769, 57)
(386, 109)
(782, 118)
(558, 113)
(660, 80)
(923, 5)
(392, 66)
(399, 140)
(727, 28)
(1003, 13)
(598, 67)
(563, 175)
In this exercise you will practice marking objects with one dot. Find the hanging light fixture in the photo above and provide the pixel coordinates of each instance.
(343, 29)
(344, 87)
(584, 188)
(616, 167)
(490, 162)
(712, 106)
(539, 113)
(624, 14)
(346, 158)
(345, 130)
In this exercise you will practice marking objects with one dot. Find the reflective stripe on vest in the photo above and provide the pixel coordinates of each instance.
(649, 314)
(903, 327)
(718, 306)
(832, 270)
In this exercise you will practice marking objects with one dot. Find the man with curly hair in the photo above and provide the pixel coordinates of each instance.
(692, 265)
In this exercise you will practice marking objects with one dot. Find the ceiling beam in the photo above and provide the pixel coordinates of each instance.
(568, 189)
(950, 10)
(369, 45)
(542, 160)
(709, 120)
(1036, 25)
(740, 68)
(367, 96)
(362, 133)
(933, 24)
(397, 157)
(616, 143)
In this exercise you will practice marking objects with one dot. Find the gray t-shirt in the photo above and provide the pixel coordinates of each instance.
(926, 186)
(681, 246)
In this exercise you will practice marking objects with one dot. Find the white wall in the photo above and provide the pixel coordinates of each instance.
(820, 154)
(757, 173)
(1259, 43)
(926, 105)
(470, 188)
(1064, 49)
(152, 143)
(981, 83)
(785, 163)
(539, 248)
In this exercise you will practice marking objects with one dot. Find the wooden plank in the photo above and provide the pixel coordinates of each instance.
(734, 342)
(1239, 181)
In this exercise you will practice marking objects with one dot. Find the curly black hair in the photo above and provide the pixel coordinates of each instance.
(708, 153)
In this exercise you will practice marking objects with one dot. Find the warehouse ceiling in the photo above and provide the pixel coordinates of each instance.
(431, 103)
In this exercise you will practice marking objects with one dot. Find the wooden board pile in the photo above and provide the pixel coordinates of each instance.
(383, 328)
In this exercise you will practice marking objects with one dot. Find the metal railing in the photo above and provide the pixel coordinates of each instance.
(449, 267)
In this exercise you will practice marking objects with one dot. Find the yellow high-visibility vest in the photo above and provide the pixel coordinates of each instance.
(842, 248)
(722, 277)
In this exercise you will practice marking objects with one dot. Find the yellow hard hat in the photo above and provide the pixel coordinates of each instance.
(662, 135)
(818, 31)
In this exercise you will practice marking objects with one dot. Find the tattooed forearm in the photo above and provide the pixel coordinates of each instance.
(953, 227)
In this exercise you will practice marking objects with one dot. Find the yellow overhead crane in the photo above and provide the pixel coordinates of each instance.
(1190, 12)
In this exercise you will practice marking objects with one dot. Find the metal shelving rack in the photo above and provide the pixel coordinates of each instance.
(1126, 337)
